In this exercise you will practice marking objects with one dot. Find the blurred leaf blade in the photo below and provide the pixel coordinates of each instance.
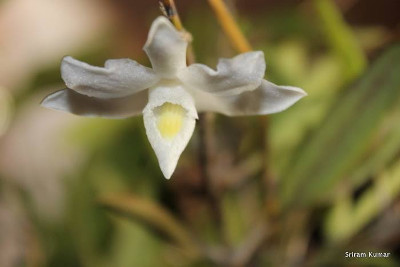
(154, 216)
(383, 153)
(346, 219)
(341, 38)
(344, 134)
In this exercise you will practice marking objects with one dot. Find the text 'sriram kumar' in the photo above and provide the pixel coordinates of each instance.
(369, 254)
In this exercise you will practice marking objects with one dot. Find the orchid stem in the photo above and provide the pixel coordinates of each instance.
(168, 8)
(206, 152)
(239, 41)
(230, 26)
(241, 44)
(206, 123)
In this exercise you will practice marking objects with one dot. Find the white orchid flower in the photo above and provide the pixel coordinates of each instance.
(170, 94)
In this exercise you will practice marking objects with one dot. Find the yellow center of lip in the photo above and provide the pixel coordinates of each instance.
(170, 119)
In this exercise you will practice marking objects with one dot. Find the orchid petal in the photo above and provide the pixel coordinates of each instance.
(169, 149)
(70, 101)
(233, 76)
(266, 99)
(166, 48)
(119, 77)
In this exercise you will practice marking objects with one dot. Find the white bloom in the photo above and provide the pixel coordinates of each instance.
(170, 94)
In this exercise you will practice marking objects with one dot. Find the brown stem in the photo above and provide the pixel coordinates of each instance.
(240, 43)
(168, 8)
(207, 143)
(230, 26)
(270, 181)
(254, 240)
(206, 130)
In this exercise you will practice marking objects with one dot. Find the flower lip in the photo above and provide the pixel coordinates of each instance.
(172, 92)
(168, 150)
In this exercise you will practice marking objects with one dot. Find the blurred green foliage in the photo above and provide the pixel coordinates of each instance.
(345, 133)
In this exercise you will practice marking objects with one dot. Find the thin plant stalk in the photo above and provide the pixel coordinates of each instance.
(206, 128)
(168, 8)
(258, 236)
(230, 26)
(241, 44)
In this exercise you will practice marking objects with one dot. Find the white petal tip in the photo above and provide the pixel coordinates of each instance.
(45, 103)
(68, 59)
(169, 122)
(168, 163)
(50, 103)
(292, 95)
(160, 21)
(167, 171)
(300, 91)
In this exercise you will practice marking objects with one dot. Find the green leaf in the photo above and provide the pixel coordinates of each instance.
(341, 38)
(155, 217)
(385, 147)
(338, 146)
(346, 219)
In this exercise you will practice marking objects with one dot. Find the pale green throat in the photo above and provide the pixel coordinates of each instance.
(170, 119)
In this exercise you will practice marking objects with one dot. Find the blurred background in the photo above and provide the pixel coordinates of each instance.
(320, 179)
